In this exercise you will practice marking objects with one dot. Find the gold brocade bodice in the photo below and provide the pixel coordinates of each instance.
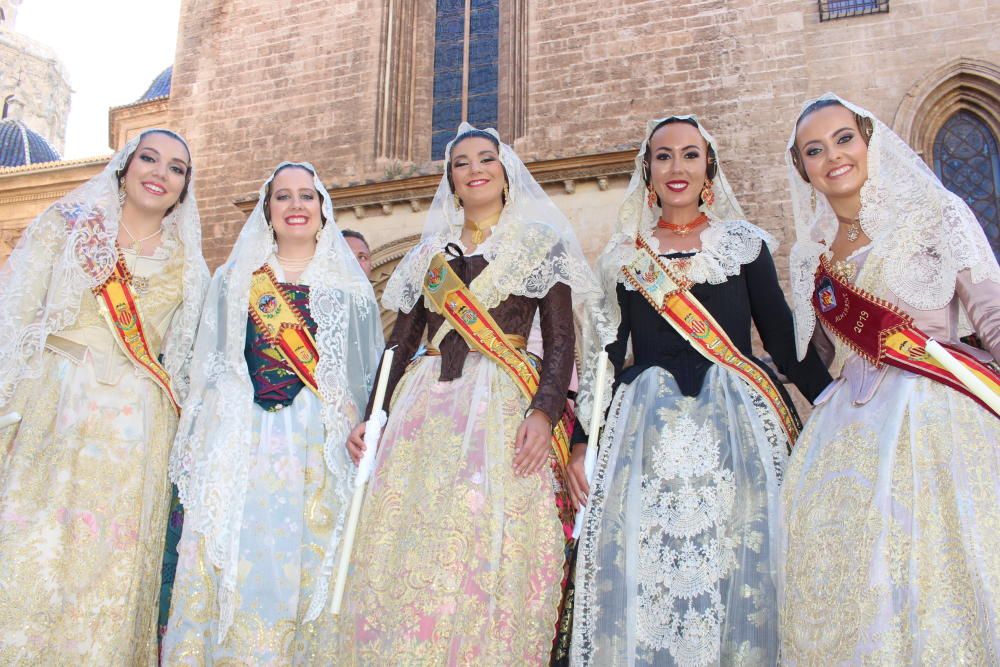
(157, 286)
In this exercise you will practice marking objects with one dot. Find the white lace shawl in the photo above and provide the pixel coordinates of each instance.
(532, 247)
(922, 234)
(70, 249)
(728, 243)
(210, 460)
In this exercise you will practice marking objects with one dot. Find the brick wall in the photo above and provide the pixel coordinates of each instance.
(257, 81)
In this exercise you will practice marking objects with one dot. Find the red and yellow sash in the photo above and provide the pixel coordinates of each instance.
(283, 326)
(882, 334)
(117, 305)
(671, 297)
(473, 322)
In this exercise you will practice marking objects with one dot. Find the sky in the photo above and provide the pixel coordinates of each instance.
(112, 50)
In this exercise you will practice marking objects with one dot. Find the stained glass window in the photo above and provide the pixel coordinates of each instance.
(968, 163)
(466, 68)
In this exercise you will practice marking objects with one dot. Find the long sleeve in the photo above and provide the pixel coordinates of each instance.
(774, 323)
(406, 335)
(559, 346)
(982, 303)
(617, 350)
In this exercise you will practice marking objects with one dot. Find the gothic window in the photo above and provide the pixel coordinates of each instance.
(968, 163)
(838, 9)
(466, 68)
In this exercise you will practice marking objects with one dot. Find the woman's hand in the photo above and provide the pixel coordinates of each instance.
(532, 443)
(356, 443)
(576, 476)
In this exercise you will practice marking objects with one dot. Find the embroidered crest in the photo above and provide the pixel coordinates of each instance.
(268, 305)
(435, 277)
(825, 295)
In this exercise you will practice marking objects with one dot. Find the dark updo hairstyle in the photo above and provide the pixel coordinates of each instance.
(120, 174)
(865, 126)
(270, 182)
(482, 134)
(647, 157)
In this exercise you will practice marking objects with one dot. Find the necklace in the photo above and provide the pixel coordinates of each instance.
(292, 264)
(682, 230)
(854, 231)
(136, 244)
(478, 228)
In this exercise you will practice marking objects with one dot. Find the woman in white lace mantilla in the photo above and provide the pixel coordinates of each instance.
(101, 301)
(892, 498)
(284, 360)
(677, 556)
(460, 552)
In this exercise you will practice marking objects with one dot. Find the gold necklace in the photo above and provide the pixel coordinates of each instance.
(477, 228)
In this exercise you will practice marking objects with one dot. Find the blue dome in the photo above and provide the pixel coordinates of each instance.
(160, 86)
(20, 146)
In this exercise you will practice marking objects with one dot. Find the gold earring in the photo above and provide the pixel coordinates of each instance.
(458, 203)
(506, 193)
(812, 198)
(319, 234)
(121, 193)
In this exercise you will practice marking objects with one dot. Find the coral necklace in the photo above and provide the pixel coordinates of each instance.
(686, 228)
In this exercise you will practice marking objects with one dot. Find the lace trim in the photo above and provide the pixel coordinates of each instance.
(683, 550)
(726, 247)
(584, 623)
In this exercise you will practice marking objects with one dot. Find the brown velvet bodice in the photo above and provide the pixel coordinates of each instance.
(514, 315)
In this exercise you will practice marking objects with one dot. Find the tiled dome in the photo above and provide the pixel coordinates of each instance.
(20, 146)
(160, 86)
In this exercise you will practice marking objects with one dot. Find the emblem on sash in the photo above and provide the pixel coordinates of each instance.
(825, 295)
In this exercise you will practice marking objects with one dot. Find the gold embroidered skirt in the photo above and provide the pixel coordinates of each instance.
(83, 509)
(457, 560)
(892, 526)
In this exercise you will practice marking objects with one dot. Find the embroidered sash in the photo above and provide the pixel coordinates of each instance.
(463, 310)
(118, 307)
(882, 334)
(283, 327)
(671, 297)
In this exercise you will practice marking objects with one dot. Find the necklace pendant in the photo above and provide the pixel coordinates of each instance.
(136, 247)
(477, 236)
(853, 232)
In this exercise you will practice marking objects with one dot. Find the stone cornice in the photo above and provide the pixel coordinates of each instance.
(47, 182)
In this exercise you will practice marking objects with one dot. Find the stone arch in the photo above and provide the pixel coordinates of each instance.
(961, 84)
(384, 260)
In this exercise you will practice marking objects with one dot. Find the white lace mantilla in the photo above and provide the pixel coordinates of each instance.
(922, 234)
(531, 248)
(210, 460)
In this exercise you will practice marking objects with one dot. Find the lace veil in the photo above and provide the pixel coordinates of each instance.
(922, 234)
(728, 243)
(70, 249)
(532, 247)
(211, 455)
